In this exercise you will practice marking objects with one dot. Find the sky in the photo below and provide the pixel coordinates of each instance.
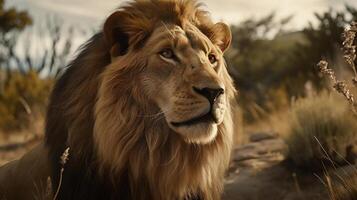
(90, 15)
(93, 12)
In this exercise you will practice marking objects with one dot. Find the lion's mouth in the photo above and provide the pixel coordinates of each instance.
(205, 118)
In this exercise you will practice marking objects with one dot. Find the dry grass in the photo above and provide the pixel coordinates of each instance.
(63, 161)
(273, 123)
(321, 129)
(349, 50)
(239, 136)
(23, 97)
(345, 188)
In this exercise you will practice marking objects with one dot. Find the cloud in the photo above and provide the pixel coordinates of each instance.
(235, 11)
(232, 11)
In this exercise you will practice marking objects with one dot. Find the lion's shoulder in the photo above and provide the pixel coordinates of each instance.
(26, 178)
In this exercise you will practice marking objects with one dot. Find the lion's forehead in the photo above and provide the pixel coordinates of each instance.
(186, 40)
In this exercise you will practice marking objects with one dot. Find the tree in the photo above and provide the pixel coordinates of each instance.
(323, 42)
(52, 55)
(11, 22)
(11, 19)
(260, 50)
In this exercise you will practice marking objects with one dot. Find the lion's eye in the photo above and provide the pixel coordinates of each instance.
(167, 53)
(212, 58)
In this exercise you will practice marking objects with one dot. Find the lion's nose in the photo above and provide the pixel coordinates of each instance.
(210, 93)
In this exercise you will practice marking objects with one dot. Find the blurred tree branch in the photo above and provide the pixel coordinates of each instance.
(11, 22)
(54, 42)
(54, 55)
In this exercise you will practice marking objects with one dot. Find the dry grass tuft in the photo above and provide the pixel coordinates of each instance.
(44, 191)
(322, 130)
(63, 161)
(344, 190)
(339, 86)
(23, 97)
(349, 49)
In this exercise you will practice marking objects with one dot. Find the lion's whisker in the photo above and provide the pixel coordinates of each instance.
(155, 115)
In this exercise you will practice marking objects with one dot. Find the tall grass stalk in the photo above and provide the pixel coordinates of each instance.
(63, 161)
(349, 51)
(345, 188)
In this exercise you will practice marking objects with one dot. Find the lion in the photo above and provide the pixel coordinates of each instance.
(145, 107)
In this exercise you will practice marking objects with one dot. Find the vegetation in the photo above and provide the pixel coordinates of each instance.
(12, 22)
(322, 130)
(271, 64)
(26, 78)
(22, 97)
(344, 188)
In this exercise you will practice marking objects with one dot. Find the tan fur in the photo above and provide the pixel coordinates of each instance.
(170, 164)
(127, 134)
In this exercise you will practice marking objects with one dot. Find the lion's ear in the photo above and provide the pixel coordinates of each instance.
(122, 32)
(221, 36)
(116, 38)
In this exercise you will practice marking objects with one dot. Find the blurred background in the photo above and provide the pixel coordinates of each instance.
(284, 101)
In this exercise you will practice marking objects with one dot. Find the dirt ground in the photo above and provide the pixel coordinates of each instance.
(257, 171)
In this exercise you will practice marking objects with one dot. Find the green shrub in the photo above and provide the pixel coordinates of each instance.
(21, 97)
(322, 129)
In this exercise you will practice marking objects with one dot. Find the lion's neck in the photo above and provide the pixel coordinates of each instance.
(154, 156)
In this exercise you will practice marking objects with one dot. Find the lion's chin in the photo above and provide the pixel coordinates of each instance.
(202, 133)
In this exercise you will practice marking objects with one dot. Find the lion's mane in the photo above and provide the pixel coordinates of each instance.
(118, 149)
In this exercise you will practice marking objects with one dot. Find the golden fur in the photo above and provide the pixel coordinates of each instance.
(108, 107)
(127, 139)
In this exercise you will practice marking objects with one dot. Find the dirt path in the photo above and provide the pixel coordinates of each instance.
(258, 172)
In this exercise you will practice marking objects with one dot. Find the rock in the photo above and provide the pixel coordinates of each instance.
(258, 149)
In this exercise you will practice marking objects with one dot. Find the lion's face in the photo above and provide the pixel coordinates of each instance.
(184, 78)
(184, 73)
